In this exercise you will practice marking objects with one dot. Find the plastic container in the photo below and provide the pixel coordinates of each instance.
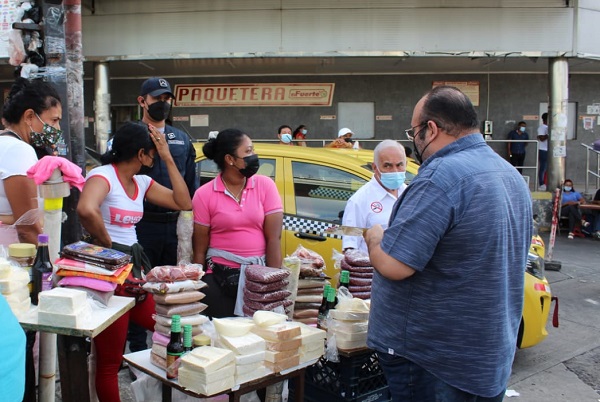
(357, 377)
(23, 254)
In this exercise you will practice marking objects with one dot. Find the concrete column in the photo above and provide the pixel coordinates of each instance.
(558, 112)
(101, 106)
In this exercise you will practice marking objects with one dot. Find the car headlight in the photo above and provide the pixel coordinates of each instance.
(535, 265)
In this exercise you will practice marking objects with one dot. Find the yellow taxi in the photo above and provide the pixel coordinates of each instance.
(315, 183)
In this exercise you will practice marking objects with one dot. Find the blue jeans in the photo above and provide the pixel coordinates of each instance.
(543, 165)
(409, 382)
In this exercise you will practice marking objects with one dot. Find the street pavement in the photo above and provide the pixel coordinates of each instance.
(565, 366)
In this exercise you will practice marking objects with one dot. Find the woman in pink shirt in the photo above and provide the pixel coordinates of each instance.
(237, 220)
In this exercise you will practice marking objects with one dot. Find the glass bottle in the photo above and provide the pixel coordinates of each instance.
(174, 348)
(41, 269)
(345, 279)
(323, 309)
(187, 338)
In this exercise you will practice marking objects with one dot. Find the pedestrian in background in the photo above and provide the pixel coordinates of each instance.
(542, 137)
(300, 134)
(516, 150)
(439, 334)
(284, 133)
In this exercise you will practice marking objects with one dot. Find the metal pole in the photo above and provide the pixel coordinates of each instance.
(101, 106)
(558, 120)
(72, 231)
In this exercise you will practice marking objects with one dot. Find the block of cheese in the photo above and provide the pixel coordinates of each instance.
(349, 326)
(159, 350)
(350, 345)
(17, 279)
(278, 332)
(311, 334)
(75, 320)
(267, 318)
(349, 315)
(350, 336)
(21, 308)
(316, 354)
(250, 358)
(275, 357)
(242, 345)
(278, 346)
(207, 359)
(310, 347)
(214, 376)
(63, 300)
(189, 380)
(18, 295)
(247, 368)
(232, 326)
(251, 376)
(283, 364)
(5, 268)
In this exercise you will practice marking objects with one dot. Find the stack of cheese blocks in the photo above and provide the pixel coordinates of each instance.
(283, 345)
(308, 300)
(248, 348)
(13, 286)
(313, 343)
(64, 307)
(361, 273)
(348, 323)
(207, 370)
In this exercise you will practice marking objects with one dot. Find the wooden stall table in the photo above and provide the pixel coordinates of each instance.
(72, 350)
(141, 361)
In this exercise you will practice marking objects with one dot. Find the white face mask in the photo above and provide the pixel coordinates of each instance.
(522, 129)
(286, 138)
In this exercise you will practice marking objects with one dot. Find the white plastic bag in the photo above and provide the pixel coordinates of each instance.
(185, 230)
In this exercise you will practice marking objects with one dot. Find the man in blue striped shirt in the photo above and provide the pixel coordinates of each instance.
(447, 293)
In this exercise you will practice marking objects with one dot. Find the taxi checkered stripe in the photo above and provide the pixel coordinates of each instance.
(331, 193)
(295, 223)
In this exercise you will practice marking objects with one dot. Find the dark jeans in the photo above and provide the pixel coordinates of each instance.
(220, 303)
(518, 160)
(543, 165)
(409, 382)
(573, 213)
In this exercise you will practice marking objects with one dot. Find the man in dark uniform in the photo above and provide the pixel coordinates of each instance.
(157, 231)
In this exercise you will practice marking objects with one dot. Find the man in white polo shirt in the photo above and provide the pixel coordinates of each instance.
(372, 203)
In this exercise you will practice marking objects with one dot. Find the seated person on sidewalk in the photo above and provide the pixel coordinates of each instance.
(571, 200)
(596, 215)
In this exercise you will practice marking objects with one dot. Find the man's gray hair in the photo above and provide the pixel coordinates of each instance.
(385, 144)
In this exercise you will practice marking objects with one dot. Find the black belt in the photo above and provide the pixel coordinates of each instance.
(160, 217)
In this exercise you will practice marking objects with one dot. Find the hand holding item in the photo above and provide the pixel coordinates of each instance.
(373, 236)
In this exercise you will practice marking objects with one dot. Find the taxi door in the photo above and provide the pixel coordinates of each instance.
(314, 198)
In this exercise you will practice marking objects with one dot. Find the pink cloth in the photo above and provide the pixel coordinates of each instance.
(237, 228)
(43, 169)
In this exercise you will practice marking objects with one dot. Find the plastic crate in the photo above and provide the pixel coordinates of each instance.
(356, 378)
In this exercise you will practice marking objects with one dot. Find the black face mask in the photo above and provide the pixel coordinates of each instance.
(348, 139)
(419, 154)
(252, 165)
(159, 111)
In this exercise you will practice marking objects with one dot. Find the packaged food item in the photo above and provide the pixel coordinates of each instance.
(97, 255)
(262, 274)
(175, 273)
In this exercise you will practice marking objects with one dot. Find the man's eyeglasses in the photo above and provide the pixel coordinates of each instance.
(410, 132)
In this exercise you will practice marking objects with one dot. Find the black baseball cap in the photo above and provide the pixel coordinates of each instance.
(156, 86)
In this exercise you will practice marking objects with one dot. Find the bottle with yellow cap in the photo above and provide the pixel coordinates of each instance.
(23, 254)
